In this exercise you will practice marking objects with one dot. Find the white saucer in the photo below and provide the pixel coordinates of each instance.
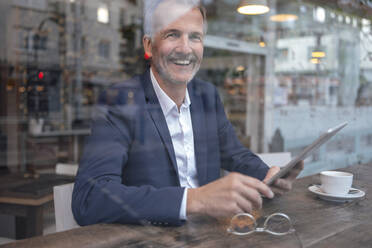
(337, 198)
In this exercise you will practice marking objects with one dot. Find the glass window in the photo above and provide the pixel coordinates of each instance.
(300, 61)
(320, 14)
(104, 49)
(122, 18)
(284, 76)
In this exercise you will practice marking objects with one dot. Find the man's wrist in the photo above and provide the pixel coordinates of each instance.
(193, 204)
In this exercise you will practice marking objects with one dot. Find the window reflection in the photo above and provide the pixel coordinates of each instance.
(281, 82)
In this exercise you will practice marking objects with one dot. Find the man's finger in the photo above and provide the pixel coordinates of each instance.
(253, 196)
(295, 171)
(272, 171)
(245, 205)
(283, 184)
(259, 186)
(278, 191)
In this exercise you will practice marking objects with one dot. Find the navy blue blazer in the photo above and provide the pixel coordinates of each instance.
(128, 171)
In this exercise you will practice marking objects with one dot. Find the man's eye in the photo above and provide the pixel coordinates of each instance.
(196, 38)
(171, 35)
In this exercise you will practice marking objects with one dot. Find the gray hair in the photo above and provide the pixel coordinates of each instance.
(150, 7)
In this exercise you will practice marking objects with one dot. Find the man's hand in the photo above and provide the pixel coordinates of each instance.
(235, 193)
(282, 185)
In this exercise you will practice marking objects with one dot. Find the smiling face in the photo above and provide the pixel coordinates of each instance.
(177, 49)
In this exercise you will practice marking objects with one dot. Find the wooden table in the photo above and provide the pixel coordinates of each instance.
(318, 223)
(25, 199)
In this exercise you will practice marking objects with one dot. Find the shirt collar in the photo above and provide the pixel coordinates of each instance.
(166, 103)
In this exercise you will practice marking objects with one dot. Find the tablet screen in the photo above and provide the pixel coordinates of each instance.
(307, 151)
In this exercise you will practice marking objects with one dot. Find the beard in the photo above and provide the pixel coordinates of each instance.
(172, 58)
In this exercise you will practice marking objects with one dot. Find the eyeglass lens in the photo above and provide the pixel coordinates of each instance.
(278, 224)
(242, 224)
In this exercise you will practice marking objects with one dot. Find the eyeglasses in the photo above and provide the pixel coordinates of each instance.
(277, 224)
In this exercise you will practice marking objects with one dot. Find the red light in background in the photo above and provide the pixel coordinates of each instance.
(41, 75)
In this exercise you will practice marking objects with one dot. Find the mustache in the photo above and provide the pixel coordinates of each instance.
(182, 56)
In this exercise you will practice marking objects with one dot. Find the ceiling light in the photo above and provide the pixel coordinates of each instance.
(240, 68)
(340, 18)
(284, 18)
(253, 7)
(103, 14)
(285, 13)
(315, 61)
(318, 54)
(347, 19)
(262, 43)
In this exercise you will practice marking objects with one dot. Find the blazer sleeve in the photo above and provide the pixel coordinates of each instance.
(234, 156)
(99, 196)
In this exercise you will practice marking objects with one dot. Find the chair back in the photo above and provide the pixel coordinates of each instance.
(66, 169)
(62, 207)
(4, 241)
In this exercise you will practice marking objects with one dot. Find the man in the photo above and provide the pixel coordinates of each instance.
(155, 153)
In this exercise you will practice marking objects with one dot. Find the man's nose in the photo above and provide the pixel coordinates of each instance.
(184, 45)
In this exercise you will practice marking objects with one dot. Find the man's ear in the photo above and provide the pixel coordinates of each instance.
(147, 45)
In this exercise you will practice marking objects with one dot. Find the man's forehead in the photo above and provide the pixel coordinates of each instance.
(168, 12)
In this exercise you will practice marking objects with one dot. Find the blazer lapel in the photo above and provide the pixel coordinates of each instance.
(199, 129)
(154, 109)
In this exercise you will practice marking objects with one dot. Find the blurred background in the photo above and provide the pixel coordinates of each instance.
(285, 76)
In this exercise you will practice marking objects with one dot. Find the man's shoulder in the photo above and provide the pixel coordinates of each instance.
(202, 86)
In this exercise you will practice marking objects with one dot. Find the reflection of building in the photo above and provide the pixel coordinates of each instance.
(55, 56)
(317, 70)
(50, 35)
(98, 38)
(262, 68)
(322, 93)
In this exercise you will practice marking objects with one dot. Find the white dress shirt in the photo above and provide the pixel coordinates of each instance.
(180, 129)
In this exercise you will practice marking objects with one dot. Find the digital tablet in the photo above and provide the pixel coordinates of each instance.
(307, 151)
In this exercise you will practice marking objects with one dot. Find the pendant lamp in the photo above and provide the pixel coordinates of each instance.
(253, 7)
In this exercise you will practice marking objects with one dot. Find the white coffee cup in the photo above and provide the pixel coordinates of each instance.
(336, 182)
